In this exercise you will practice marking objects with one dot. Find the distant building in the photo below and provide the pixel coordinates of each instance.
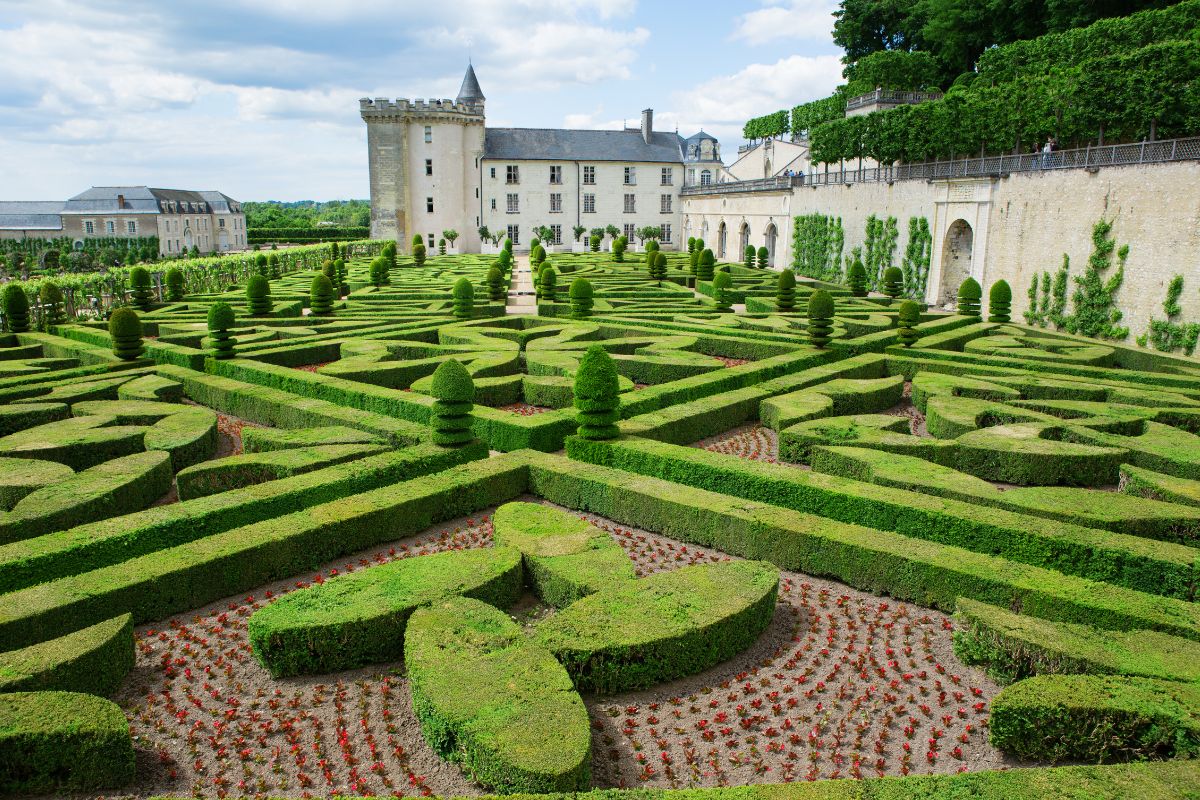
(211, 221)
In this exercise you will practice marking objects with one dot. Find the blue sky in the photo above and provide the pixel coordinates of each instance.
(261, 100)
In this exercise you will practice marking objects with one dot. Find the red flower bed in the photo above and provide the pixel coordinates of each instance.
(524, 409)
(754, 442)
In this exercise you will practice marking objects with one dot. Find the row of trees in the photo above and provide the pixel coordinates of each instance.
(307, 214)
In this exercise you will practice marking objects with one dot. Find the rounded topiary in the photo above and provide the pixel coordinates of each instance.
(453, 394)
(508, 245)
(785, 291)
(856, 278)
(764, 258)
(378, 271)
(820, 318)
(505, 260)
(906, 320)
(419, 254)
(594, 243)
(618, 249)
(1000, 302)
(174, 283)
(139, 284)
(329, 271)
(389, 254)
(537, 255)
(970, 293)
(273, 270)
(581, 298)
(722, 282)
(16, 309)
(416, 240)
(651, 246)
(657, 265)
(125, 330)
(320, 297)
(258, 296)
(893, 283)
(597, 395)
(704, 265)
(220, 321)
(534, 242)
(464, 299)
(260, 263)
(495, 282)
(335, 251)
(51, 298)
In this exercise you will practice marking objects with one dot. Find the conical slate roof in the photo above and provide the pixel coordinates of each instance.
(470, 92)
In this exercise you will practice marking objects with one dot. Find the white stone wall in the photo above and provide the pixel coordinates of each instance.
(454, 151)
(747, 217)
(770, 158)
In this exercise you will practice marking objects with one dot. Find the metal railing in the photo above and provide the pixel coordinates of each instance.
(1090, 158)
(891, 97)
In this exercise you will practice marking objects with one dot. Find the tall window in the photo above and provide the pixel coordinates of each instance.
(630, 176)
(630, 204)
(557, 234)
(514, 233)
(668, 176)
(428, 133)
(705, 177)
(131, 226)
(589, 204)
(89, 227)
(556, 203)
(429, 166)
(221, 222)
(513, 208)
(691, 176)
(665, 204)
(556, 173)
(493, 204)
(110, 227)
(512, 174)
(429, 204)
(430, 241)
(666, 234)
(492, 170)
(589, 176)
(629, 231)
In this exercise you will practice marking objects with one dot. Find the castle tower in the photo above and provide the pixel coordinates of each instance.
(424, 165)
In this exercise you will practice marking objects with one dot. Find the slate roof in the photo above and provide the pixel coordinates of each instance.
(470, 92)
(29, 215)
(146, 200)
(557, 144)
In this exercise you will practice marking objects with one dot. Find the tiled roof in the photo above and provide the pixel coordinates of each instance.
(557, 144)
(28, 215)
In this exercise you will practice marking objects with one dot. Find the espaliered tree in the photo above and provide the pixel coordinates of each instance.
(785, 291)
(657, 265)
(704, 265)
(581, 298)
(453, 394)
(1000, 302)
(16, 309)
(464, 299)
(764, 258)
(722, 282)
(258, 296)
(906, 321)
(320, 297)
(597, 395)
(748, 256)
(174, 283)
(969, 295)
(125, 330)
(820, 318)
(220, 322)
(139, 284)
(418, 254)
(51, 298)
(547, 282)
(495, 282)
(856, 277)
(893, 283)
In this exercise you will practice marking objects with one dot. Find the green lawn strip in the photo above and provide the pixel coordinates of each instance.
(94, 659)
(1157, 486)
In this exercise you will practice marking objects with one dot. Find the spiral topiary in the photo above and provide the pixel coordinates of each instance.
(906, 320)
(329, 271)
(536, 256)
(339, 266)
(594, 243)
(893, 283)
(581, 298)
(495, 282)
(464, 299)
(125, 330)
(258, 296)
(441, 247)
(320, 297)
(764, 258)
(618, 249)
(174, 283)
(970, 293)
(51, 298)
(1000, 302)
(748, 256)
(273, 270)
(820, 318)
(657, 265)
(139, 284)
(722, 282)
(691, 244)
(453, 394)
(785, 291)
(505, 261)
(16, 309)
(597, 395)
(547, 283)
(704, 265)
(419, 254)
(220, 321)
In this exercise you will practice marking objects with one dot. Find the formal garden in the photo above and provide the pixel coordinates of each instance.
(336, 521)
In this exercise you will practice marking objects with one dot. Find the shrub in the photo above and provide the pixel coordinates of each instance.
(273, 271)
(969, 295)
(703, 266)
(856, 278)
(785, 291)
(258, 296)
(547, 283)
(51, 298)
(764, 258)
(329, 271)
(454, 394)
(174, 281)
(618, 249)
(907, 319)
(1000, 302)
(220, 321)
(125, 330)
(893, 283)
(418, 254)
(464, 299)
(748, 257)
(691, 244)
(596, 395)
(581, 298)
(722, 282)
(16, 309)
(820, 318)
(495, 282)
(657, 264)
(139, 285)
(441, 247)
(594, 243)
(94, 659)
(537, 254)
(320, 296)
(379, 271)
(260, 263)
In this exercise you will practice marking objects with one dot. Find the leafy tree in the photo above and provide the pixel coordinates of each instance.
(258, 296)
(785, 291)
(450, 235)
(820, 318)
(597, 396)
(907, 319)
(453, 394)
(125, 330)
(581, 298)
(320, 297)
(220, 321)
(578, 230)
(464, 299)
(1000, 302)
(969, 295)
(484, 234)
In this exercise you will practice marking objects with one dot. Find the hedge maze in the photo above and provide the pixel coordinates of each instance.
(348, 527)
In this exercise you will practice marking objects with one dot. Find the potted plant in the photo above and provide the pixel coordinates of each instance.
(489, 244)
(579, 245)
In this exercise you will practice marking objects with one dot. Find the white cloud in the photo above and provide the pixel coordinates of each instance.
(793, 19)
(593, 120)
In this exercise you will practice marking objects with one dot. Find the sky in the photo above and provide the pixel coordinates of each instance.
(260, 100)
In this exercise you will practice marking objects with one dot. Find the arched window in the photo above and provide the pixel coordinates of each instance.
(705, 177)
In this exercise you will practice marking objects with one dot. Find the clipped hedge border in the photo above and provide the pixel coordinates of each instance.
(249, 469)
(94, 659)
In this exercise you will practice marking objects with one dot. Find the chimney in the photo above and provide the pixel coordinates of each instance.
(647, 124)
(120, 201)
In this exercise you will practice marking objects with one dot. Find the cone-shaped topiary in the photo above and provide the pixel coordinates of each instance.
(419, 254)
(581, 298)
(16, 309)
(893, 283)
(139, 283)
(260, 263)
(691, 244)
(51, 298)
(594, 243)
(453, 394)
(508, 245)
(339, 267)
(906, 320)
(856, 278)
(704, 265)
(820, 318)
(378, 271)
(694, 261)
(334, 251)
(125, 330)
(174, 284)
(220, 321)
(1000, 302)
(597, 395)
(464, 299)
(537, 254)
(505, 260)
(748, 257)
(320, 296)
(258, 296)
(329, 271)
(618, 249)
(547, 282)
(273, 270)
(764, 258)
(658, 265)
(441, 247)
(970, 293)
(722, 282)
(785, 291)
(495, 282)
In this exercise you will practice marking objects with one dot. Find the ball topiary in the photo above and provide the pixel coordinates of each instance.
(657, 265)
(764, 258)
(258, 296)
(970, 293)
(722, 282)
(906, 320)
(320, 297)
(581, 298)
(597, 395)
(16, 309)
(704, 265)
(220, 321)
(893, 283)
(495, 282)
(748, 257)
(1000, 302)
(464, 299)
(453, 394)
(125, 330)
(139, 284)
(51, 298)
(820, 318)
(856, 277)
(419, 255)
(174, 282)
(785, 291)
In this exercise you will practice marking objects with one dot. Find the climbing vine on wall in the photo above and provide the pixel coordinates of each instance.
(879, 248)
(817, 242)
(1050, 304)
(916, 258)
(1168, 335)
(1094, 312)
